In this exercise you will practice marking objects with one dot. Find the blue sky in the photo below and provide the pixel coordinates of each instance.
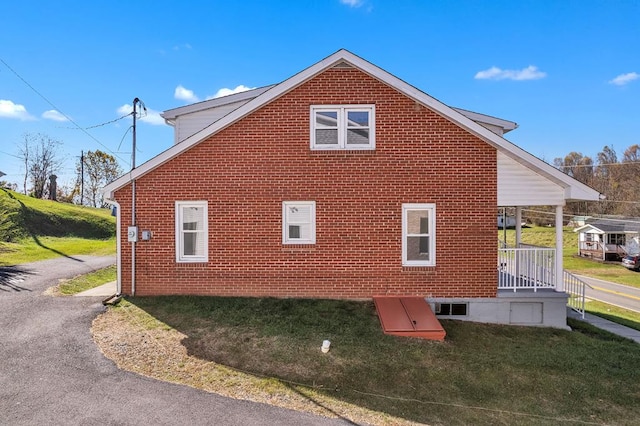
(568, 72)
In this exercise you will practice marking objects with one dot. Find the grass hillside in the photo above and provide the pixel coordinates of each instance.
(33, 229)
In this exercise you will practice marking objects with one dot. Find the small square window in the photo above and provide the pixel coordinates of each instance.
(298, 222)
(343, 127)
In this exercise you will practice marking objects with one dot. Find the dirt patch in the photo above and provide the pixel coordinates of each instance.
(135, 343)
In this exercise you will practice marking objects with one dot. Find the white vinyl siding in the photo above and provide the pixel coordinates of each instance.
(298, 222)
(513, 177)
(191, 231)
(194, 122)
(418, 235)
(335, 127)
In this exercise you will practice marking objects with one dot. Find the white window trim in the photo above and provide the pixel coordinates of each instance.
(342, 127)
(180, 257)
(431, 209)
(285, 224)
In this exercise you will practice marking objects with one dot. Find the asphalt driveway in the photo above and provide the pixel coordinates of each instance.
(51, 372)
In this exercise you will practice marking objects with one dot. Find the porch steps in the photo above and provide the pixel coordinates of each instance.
(409, 317)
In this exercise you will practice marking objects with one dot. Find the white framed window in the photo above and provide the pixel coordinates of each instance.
(418, 234)
(342, 127)
(298, 222)
(192, 231)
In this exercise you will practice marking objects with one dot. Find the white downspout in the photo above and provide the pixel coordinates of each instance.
(118, 247)
(559, 246)
(118, 250)
(133, 243)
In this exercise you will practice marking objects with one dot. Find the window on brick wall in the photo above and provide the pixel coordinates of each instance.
(191, 231)
(342, 127)
(418, 234)
(298, 222)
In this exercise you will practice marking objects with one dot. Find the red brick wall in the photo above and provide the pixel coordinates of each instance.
(248, 169)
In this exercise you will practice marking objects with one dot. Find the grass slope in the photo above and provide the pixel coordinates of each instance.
(482, 375)
(33, 229)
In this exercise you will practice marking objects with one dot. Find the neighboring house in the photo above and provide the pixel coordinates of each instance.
(608, 239)
(342, 181)
(506, 221)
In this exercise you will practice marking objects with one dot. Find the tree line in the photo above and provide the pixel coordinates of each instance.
(41, 160)
(617, 177)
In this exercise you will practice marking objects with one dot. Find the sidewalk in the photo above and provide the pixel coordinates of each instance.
(606, 325)
(105, 290)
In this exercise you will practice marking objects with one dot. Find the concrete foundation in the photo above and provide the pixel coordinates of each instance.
(543, 308)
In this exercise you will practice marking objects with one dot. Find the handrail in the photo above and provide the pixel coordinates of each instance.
(576, 289)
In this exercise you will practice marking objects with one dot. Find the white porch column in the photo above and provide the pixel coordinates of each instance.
(559, 246)
(518, 226)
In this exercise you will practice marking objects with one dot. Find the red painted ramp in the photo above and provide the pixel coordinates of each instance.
(408, 316)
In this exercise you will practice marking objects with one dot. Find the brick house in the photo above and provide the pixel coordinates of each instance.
(342, 181)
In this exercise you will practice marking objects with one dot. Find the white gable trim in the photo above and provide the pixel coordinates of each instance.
(573, 188)
(171, 114)
(589, 229)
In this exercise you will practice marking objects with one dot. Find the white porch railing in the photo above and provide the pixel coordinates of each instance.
(576, 289)
(531, 268)
(526, 268)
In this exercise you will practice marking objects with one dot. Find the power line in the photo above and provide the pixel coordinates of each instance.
(597, 165)
(10, 155)
(595, 217)
(59, 110)
(99, 125)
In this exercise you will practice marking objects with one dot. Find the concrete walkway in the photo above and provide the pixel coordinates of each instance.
(606, 325)
(104, 290)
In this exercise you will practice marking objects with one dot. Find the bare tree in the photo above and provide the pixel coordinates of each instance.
(100, 168)
(39, 154)
(606, 178)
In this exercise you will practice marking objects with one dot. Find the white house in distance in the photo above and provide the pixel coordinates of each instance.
(609, 238)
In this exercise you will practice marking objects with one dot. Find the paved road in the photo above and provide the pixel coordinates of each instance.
(616, 294)
(51, 372)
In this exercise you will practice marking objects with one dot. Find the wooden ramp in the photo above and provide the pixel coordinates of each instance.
(408, 316)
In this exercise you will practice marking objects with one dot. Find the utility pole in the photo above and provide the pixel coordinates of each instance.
(133, 228)
(82, 178)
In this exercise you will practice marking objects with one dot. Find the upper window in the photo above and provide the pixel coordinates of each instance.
(191, 231)
(298, 222)
(343, 127)
(418, 234)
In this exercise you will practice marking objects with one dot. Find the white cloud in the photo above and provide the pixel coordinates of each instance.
(182, 46)
(494, 73)
(226, 92)
(10, 110)
(352, 3)
(185, 94)
(149, 117)
(54, 115)
(623, 79)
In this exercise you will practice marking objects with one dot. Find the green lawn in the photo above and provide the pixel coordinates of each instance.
(30, 250)
(87, 281)
(33, 229)
(482, 375)
(614, 313)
